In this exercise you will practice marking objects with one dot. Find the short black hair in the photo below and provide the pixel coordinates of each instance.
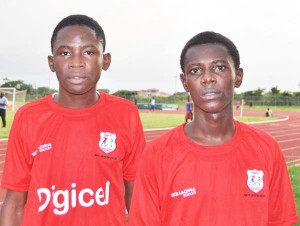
(210, 37)
(82, 20)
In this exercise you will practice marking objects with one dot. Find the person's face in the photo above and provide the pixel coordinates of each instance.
(78, 60)
(210, 77)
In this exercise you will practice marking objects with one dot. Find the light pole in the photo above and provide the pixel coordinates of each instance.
(175, 78)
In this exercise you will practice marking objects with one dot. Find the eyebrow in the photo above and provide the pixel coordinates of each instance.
(220, 61)
(70, 47)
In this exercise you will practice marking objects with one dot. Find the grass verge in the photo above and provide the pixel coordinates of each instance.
(294, 172)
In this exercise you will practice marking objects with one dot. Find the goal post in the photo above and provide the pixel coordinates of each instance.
(16, 98)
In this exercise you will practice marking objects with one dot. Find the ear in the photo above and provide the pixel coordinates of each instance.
(184, 82)
(106, 61)
(238, 77)
(51, 63)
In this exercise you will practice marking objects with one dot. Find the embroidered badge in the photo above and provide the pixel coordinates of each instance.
(255, 180)
(107, 142)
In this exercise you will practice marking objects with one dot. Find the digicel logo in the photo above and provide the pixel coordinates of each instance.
(62, 200)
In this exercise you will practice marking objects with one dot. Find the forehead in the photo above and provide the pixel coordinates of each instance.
(76, 34)
(208, 51)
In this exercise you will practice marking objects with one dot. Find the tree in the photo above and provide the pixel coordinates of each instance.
(43, 91)
(259, 92)
(296, 94)
(105, 90)
(127, 94)
(286, 94)
(124, 93)
(18, 84)
(275, 91)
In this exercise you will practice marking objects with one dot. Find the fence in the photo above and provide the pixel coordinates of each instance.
(250, 100)
(272, 100)
(181, 99)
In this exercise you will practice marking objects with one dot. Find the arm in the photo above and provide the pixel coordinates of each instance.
(12, 208)
(4, 102)
(128, 193)
(145, 204)
(282, 208)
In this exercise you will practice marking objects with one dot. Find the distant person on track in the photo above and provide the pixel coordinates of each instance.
(188, 109)
(152, 104)
(250, 104)
(237, 104)
(213, 170)
(3, 104)
(268, 112)
(72, 156)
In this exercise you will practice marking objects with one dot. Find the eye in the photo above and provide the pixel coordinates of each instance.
(89, 53)
(219, 68)
(65, 53)
(195, 71)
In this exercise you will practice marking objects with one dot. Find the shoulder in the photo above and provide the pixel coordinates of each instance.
(258, 141)
(251, 131)
(115, 101)
(32, 108)
(166, 143)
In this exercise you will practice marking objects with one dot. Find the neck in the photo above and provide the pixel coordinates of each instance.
(76, 101)
(211, 129)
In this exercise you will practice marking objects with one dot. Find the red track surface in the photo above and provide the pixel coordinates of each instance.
(286, 132)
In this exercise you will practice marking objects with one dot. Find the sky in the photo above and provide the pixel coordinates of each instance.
(145, 39)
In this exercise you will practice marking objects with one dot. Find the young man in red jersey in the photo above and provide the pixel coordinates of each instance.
(213, 170)
(72, 155)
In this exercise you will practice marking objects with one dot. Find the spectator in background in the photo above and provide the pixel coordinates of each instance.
(135, 100)
(3, 104)
(152, 104)
(237, 104)
(269, 112)
(250, 104)
(188, 109)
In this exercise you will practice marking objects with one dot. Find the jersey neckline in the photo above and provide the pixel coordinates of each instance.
(218, 152)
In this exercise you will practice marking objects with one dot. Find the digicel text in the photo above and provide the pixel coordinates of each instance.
(63, 199)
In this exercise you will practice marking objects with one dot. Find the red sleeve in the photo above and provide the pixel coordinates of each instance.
(16, 173)
(145, 210)
(135, 148)
(282, 209)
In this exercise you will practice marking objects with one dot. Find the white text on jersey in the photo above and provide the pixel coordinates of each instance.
(42, 148)
(184, 193)
(62, 200)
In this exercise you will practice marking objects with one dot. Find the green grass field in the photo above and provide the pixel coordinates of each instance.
(154, 120)
(294, 172)
(9, 118)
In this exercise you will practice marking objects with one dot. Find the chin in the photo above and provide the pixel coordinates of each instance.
(214, 108)
(77, 90)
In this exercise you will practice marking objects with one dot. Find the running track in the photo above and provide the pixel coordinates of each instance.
(286, 131)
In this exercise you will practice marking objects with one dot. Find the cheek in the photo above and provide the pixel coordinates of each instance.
(193, 84)
(94, 65)
(60, 66)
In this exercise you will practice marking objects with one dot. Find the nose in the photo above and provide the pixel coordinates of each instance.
(76, 61)
(208, 77)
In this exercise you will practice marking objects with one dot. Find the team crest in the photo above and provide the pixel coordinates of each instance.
(107, 142)
(255, 180)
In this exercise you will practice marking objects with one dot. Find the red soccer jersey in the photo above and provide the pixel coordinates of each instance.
(243, 182)
(73, 162)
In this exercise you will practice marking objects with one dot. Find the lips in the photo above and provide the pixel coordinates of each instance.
(210, 94)
(76, 76)
(76, 79)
